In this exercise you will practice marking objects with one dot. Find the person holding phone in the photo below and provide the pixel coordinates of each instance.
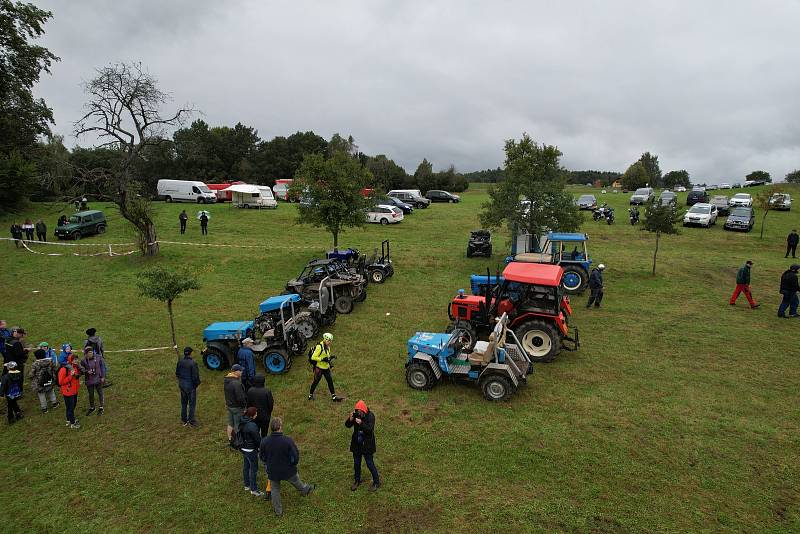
(362, 444)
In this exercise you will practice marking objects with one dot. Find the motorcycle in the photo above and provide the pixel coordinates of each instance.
(634, 216)
(604, 212)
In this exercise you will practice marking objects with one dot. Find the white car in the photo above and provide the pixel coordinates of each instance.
(781, 201)
(680, 189)
(701, 214)
(384, 214)
(741, 199)
(724, 186)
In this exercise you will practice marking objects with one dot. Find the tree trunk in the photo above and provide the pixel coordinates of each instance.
(655, 253)
(172, 328)
(150, 244)
(335, 239)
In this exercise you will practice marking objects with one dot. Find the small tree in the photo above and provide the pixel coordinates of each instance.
(166, 285)
(333, 190)
(793, 177)
(765, 202)
(635, 177)
(659, 220)
(675, 178)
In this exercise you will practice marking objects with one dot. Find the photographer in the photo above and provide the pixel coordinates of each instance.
(321, 359)
(362, 444)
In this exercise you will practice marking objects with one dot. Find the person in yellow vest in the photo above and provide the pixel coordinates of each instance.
(321, 360)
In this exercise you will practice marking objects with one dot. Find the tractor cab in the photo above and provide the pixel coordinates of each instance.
(556, 248)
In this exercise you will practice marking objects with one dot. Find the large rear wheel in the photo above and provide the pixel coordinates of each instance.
(306, 325)
(343, 304)
(539, 339)
(276, 361)
(574, 280)
(214, 359)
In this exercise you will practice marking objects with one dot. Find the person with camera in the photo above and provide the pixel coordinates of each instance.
(322, 360)
(362, 444)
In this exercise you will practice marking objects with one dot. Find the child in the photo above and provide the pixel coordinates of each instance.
(66, 352)
(43, 372)
(68, 379)
(11, 389)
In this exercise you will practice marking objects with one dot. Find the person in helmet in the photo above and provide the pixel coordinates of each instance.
(596, 286)
(321, 360)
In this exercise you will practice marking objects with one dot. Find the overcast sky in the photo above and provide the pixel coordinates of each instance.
(712, 87)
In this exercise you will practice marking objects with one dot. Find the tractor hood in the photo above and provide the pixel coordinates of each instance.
(227, 330)
(428, 343)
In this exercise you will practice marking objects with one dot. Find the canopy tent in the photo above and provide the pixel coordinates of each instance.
(243, 188)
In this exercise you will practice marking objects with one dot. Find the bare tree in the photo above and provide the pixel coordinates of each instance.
(124, 112)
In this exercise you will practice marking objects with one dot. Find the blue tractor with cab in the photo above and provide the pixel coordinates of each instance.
(567, 250)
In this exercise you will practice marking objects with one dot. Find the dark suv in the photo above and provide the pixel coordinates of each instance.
(82, 224)
(393, 201)
(435, 195)
(695, 197)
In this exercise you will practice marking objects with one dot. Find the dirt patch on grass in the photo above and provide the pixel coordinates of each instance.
(401, 519)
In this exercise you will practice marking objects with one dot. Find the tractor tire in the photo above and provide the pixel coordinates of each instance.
(574, 280)
(539, 339)
(277, 361)
(306, 325)
(469, 331)
(420, 376)
(377, 276)
(496, 388)
(343, 304)
(362, 296)
(214, 359)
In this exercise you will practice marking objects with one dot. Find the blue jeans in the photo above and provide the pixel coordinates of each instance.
(790, 301)
(370, 465)
(250, 469)
(188, 400)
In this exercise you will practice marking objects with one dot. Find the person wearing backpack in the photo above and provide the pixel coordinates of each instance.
(93, 369)
(248, 441)
(362, 444)
(321, 358)
(11, 389)
(49, 353)
(43, 373)
(69, 381)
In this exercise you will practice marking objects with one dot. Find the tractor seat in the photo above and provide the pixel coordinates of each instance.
(483, 352)
(534, 257)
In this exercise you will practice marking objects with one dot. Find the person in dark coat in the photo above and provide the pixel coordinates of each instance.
(247, 360)
(17, 352)
(204, 223)
(251, 441)
(93, 369)
(281, 457)
(5, 338)
(183, 217)
(362, 444)
(16, 233)
(41, 230)
(11, 389)
(789, 289)
(260, 398)
(791, 243)
(188, 376)
(743, 285)
(235, 398)
(596, 286)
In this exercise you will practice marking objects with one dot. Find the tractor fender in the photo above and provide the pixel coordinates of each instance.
(422, 357)
(495, 368)
(224, 348)
(558, 319)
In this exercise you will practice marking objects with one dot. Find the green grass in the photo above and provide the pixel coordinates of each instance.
(679, 413)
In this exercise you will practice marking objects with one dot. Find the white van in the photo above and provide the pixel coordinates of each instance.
(185, 190)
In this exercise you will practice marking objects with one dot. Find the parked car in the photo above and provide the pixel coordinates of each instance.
(781, 201)
(724, 186)
(711, 187)
(410, 196)
(680, 189)
(405, 207)
(701, 214)
(435, 195)
(586, 202)
(82, 224)
(668, 198)
(384, 214)
(643, 195)
(722, 204)
(185, 190)
(741, 218)
(696, 196)
(741, 199)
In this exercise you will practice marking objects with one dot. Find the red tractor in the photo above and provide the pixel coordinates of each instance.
(532, 296)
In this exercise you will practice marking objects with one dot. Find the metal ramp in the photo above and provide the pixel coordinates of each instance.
(459, 368)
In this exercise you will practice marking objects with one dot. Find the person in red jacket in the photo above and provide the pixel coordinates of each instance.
(68, 380)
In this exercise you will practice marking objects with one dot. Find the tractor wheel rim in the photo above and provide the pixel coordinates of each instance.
(572, 280)
(213, 361)
(418, 379)
(275, 362)
(495, 389)
(377, 276)
(536, 343)
(306, 329)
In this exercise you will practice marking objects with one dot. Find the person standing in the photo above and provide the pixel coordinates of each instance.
(791, 243)
(743, 285)
(280, 457)
(66, 352)
(41, 230)
(48, 352)
(251, 441)
(28, 227)
(93, 370)
(5, 338)
(235, 398)
(321, 358)
(188, 376)
(94, 341)
(16, 351)
(789, 289)
(362, 444)
(11, 389)
(16, 233)
(69, 381)
(43, 373)
(203, 223)
(183, 217)
(260, 398)
(247, 360)
(596, 286)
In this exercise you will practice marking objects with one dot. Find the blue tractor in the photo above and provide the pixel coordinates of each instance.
(497, 366)
(558, 248)
(278, 335)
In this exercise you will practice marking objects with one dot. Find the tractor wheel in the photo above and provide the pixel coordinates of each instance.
(419, 376)
(467, 328)
(574, 280)
(496, 388)
(343, 304)
(306, 325)
(540, 340)
(276, 361)
(377, 276)
(362, 295)
(214, 359)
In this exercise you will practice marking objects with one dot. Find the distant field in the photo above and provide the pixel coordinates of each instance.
(679, 413)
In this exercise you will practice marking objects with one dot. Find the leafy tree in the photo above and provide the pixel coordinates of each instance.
(583, 177)
(340, 144)
(280, 157)
(659, 220)
(676, 178)
(17, 174)
(762, 201)
(333, 187)
(651, 167)
(488, 176)
(166, 285)
(635, 177)
(793, 177)
(424, 177)
(762, 176)
(532, 197)
(386, 172)
(53, 166)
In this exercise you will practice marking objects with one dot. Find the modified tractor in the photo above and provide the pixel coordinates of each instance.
(480, 244)
(347, 283)
(531, 295)
(497, 366)
(556, 248)
(377, 268)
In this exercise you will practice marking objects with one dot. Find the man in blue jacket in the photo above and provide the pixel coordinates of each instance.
(188, 379)
(248, 362)
(596, 286)
(280, 457)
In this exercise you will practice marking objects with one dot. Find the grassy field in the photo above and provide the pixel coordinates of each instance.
(679, 413)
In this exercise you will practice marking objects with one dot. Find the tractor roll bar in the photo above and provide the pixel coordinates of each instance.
(283, 320)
